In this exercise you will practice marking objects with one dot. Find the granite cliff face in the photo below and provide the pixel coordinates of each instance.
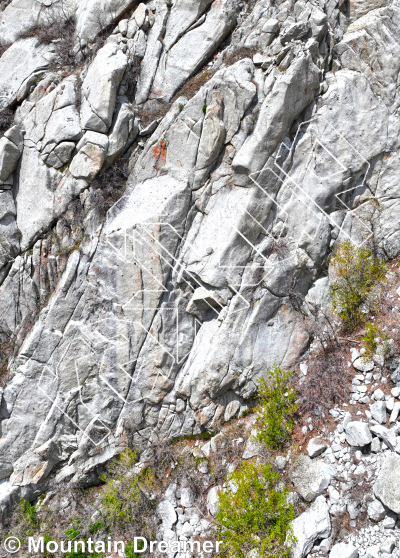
(252, 136)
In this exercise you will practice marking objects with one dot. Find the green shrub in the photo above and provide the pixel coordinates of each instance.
(124, 499)
(354, 272)
(372, 337)
(74, 534)
(254, 513)
(96, 527)
(122, 492)
(28, 513)
(130, 553)
(276, 409)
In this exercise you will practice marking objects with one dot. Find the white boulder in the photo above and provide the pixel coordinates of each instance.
(311, 525)
(167, 514)
(315, 447)
(11, 145)
(358, 434)
(388, 435)
(343, 550)
(100, 86)
(387, 485)
(212, 499)
(20, 66)
(363, 365)
(378, 411)
(376, 511)
(310, 477)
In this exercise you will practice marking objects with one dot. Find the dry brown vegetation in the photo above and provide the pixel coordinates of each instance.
(328, 379)
(194, 84)
(59, 31)
(109, 185)
(234, 55)
(6, 120)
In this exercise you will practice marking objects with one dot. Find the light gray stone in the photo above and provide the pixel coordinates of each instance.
(311, 525)
(167, 514)
(372, 552)
(358, 434)
(187, 497)
(60, 155)
(388, 545)
(387, 485)
(20, 66)
(390, 521)
(387, 435)
(87, 162)
(231, 410)
(363, 365)
(378, 395)
(316, 446)
(376, 511)
(93, 16)
(375, 445)
(343, 550)
(310, 477)
(100, 86)
(212, 499)
(395, 412)
(253, 447)
(181, 60)
(378, 411)
(123, 132)
(279, 109)
(11, 145)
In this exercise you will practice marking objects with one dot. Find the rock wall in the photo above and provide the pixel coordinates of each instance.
(257, 135)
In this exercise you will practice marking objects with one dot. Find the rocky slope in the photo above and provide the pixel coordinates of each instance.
(253, 136)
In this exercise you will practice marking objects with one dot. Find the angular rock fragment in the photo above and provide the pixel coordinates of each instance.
(315, 447)
(100, 86)
(378, 411)
(311, 525)
(310, 477)
(386, 434)
(343, 550)
(387, 485)
(11, 145)
(358, 434)
(376, 511)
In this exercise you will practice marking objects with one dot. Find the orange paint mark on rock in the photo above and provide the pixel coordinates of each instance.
(160, 153)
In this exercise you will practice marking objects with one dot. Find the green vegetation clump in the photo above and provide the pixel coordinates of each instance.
(374, 336)
(276, 410)
(74, 534)
(355, 271)
(254, 513)
(129, 550)
(121, 494)
(126, 499)
(203, 436)
(28, 513)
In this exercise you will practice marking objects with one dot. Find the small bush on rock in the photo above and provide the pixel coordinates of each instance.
(354, 273)
(374, 337)
(124, 499)
(254, 514)
(28, 513)
(276, 409)
(59, 30)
